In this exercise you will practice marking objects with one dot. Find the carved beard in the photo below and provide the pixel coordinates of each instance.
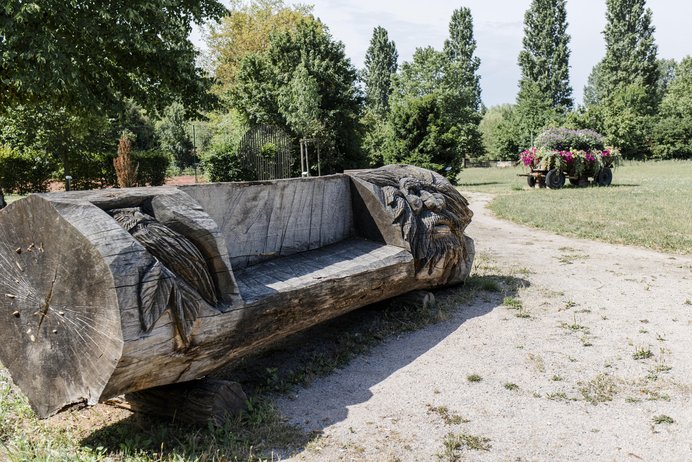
(432, 235)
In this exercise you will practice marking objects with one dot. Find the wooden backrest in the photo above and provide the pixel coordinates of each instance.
(270, 219)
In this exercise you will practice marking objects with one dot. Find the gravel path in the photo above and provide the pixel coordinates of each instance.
(589, 359)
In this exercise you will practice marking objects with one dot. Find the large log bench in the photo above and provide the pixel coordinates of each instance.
(115, 291)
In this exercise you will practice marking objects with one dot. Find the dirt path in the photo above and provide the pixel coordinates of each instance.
(589, 359)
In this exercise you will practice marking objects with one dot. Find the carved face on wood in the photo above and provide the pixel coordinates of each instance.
(431, 213)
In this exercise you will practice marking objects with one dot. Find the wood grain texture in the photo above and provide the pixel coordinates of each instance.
(89, 311)
(265, 220)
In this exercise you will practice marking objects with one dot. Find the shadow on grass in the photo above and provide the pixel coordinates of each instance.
(298, 361)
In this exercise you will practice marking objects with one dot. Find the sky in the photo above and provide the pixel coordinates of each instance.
(498, 30)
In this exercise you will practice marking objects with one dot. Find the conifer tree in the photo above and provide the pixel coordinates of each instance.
(380, 65)
(630, 57)
(544, 60)
(460, 48)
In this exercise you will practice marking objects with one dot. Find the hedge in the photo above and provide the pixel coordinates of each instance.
(25, 171)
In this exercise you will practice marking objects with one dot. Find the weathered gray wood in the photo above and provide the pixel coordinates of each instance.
(273, 219)
(421, 211)
(204, 401)
(98, 300)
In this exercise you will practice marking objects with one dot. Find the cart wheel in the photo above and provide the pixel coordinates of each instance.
(604, 177)
(554, 179)
(531, 180)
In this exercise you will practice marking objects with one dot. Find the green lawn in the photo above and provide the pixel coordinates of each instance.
(649, 204)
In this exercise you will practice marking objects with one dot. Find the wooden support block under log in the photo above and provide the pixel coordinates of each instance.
(202, 401)
(110, 292)
(417, 299)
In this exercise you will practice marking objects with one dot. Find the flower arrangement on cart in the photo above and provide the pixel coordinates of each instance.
(577, 155)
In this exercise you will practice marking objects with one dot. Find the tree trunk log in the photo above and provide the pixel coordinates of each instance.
(115, 291)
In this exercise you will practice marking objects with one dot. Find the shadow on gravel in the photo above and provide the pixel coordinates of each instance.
(302, 358)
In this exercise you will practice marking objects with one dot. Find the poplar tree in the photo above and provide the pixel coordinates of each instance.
(380, 66)
(460, 48)
(630, 57)
(544, 60)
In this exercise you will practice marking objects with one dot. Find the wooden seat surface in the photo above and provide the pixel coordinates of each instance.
(318, 269)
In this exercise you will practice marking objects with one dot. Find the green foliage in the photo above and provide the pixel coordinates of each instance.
(25, 171)
(423, 136)
(305, 84)
(630, 57)
(173, 137)
(500, 132)
(151, 166)
(221, 163)
(626, 122)
(380, 66)
(88, 59)
(673, 130)
(460, 48)
(544, 60)
(90, 170)
(435, 103)
(532, 113)
(246, 31)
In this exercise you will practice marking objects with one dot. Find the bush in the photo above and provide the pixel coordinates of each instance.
(563, 139)
(25, 171)
(151, 166)
(92, 170)
(222, 164)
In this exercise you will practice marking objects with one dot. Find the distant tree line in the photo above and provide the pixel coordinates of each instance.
(79, 77)
(639, 102)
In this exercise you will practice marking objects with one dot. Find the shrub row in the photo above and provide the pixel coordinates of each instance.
(28, 170)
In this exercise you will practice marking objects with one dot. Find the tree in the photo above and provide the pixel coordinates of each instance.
(630, 57)
(173, 136)
(246, 30)
(544, 60)
(433, 85)
(673, 131)
(593, 86)
(460, 48)
(87, 57)
(499, 130)
(533, 113)
(380, 64)
(423, 136)
(305, 70)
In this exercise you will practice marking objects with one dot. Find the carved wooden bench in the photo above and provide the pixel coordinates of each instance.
(114, 291)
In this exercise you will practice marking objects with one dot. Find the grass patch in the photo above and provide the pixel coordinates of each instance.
(662, 419)
(599, 390)
(511, 386)
(644, 205)
(474, 378)
(454, 444)
(642, 353)
(449, 418)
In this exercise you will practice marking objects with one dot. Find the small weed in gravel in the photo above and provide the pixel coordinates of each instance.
(454, 444)
(662, 419)
(511, 386)
(599, 390)
(449, 418)
(642, 353)
(474, 378)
